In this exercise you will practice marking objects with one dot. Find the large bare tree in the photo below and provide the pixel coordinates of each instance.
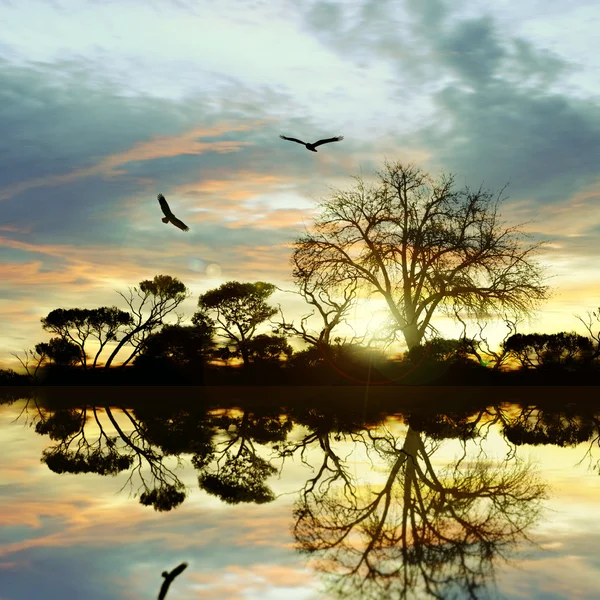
(423, 246)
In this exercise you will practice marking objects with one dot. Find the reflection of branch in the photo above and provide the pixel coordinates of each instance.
(424, 530)
(331, 469)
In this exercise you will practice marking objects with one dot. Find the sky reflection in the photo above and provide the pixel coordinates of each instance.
(77, 535)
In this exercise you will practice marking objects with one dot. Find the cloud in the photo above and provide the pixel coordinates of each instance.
(496, 112)
(84, 165)
(158, 147)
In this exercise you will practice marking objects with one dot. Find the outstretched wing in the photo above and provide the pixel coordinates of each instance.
(179, 570)
(335, 139)
(178, 223)
(292, 140)
(164, 206)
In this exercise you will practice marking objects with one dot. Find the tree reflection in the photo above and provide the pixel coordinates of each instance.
(411, 524)
(83, 445)
(227, 448)
(238, 473)
(569, 426)
(533, 425)
(424, 529)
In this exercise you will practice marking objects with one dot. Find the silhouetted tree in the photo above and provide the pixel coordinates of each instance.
(440, 349)
(31, 362)
(187, 346)
(9, 377)
(149, 303)
(423, 246)
(591, 322)
(60, 350)
(267, 348)
(76, 325)
(534, 350)
(479, 347)
(332, 303)
(238, 309)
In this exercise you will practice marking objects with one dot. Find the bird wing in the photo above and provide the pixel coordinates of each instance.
(178, 223)
(292, 140)
(164, 206)
(339, 138)
(179, 570)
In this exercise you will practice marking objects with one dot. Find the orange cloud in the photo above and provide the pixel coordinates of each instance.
(236, 186)
(157, 147)
(234, 581)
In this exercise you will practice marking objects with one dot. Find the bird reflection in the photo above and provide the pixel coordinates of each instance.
(169, 577)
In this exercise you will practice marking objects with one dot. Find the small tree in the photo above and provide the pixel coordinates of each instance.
(32, 361)
(61, 351)
(238, 309)
(267, 348)
(149, 303)
(591, 322)
(534, 350)
(181, 345)
(77, 325)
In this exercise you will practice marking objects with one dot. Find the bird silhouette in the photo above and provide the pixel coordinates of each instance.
(169, 216)
(310, 146)
(169, 579)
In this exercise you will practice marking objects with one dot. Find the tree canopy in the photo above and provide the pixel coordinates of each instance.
(76, 325)
(422, 245)
(238, 309)
(150, 302)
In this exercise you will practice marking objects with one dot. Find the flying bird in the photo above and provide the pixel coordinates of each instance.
(312, 147)
(169, 579)
(169, 216)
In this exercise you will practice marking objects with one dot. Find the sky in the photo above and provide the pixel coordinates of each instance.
(105, 104)
(78, 536)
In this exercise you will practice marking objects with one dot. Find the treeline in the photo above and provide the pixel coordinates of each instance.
(237, 337)
(417, 244)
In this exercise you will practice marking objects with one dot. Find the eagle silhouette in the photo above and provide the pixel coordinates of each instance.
(169, 579)
(310, 146)
(169, 216)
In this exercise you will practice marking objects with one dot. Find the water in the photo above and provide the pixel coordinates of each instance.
(300, 493)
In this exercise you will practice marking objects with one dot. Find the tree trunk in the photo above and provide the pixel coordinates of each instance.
(245, 356)
(123, 341)
(411, 336)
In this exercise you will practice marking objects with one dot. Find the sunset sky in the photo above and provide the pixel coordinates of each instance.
(104, 104)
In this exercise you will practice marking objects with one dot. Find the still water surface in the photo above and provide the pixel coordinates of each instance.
(304, 501)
